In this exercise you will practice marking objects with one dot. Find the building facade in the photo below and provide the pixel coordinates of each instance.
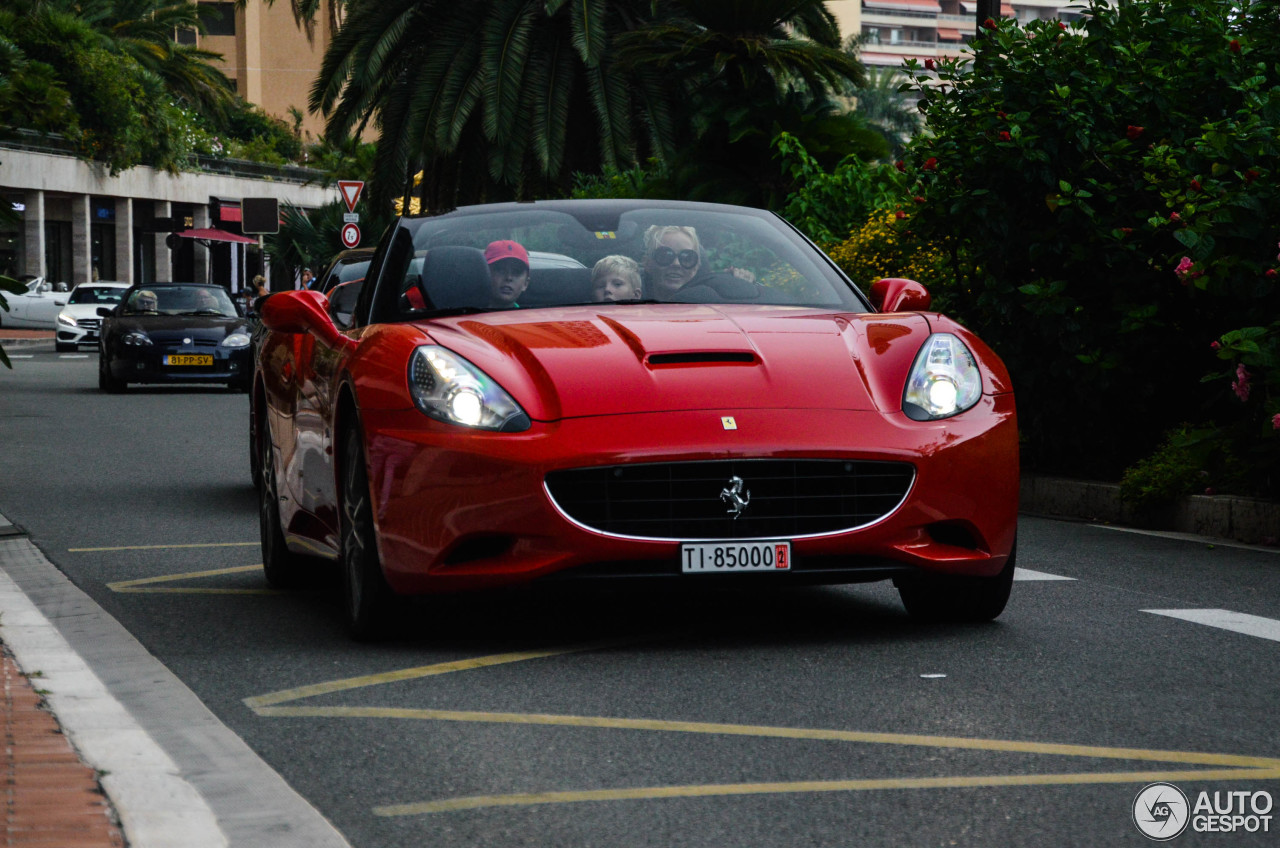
(79, 223)
(895, 30)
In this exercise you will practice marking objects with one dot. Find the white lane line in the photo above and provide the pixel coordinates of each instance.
(1192, 537)
(74, 356)
(1028, 574)
(22, 356)
(1236, 622)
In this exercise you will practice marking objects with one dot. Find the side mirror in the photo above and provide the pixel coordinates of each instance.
(897, 294)
(106, 311)
(301, 312)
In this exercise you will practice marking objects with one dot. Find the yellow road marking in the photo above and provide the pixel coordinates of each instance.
(270, 705)
(712, 790)
(143, 584)
(164, 547)
(766, 731)
(259, 701)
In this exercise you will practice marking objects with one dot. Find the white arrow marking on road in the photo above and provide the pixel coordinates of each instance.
(1236, 622)
(1028, 574)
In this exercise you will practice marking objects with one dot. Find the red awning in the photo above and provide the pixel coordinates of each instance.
(914, 5)
(949, 34)
(229, 213)
(1006, 11)
(214, 234)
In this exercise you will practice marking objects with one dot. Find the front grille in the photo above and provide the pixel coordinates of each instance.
(89, 323)
(682, 500)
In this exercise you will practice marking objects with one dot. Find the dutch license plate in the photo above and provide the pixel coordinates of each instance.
(735, 556)
(188, 359)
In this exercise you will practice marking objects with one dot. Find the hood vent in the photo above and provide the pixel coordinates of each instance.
(709, 357)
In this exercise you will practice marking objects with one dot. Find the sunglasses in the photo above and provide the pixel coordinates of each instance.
(664, 256)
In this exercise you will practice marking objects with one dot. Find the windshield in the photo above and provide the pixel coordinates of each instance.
(96, 294)
(513, 259)
(180, 300)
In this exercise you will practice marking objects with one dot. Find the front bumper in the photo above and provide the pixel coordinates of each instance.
(458, 510)
(150, 365)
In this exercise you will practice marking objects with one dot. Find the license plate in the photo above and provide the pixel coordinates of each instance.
(188, 359)
(735, 556)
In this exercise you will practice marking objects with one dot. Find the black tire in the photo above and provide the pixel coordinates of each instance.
(107, 382)
(65, 347)
(282, 567)
(255, 453)
(367, 599)
(958, 599)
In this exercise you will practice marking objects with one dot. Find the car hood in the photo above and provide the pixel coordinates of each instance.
(82, 310)
(576, 361)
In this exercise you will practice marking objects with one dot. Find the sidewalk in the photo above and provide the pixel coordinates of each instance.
(51, 797)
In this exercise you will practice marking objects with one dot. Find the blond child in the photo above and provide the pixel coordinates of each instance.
(616, 278)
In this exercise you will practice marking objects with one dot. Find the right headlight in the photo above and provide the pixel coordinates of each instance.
(136, 339)
(449, 388)
(944, 380)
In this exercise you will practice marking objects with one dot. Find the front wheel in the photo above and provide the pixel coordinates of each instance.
(281, 566)
(366, 596)
(107, 382)
(958, 599)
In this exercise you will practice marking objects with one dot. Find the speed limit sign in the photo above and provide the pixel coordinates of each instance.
(350, 235)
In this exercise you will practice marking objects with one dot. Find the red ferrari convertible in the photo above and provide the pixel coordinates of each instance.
(630, 389)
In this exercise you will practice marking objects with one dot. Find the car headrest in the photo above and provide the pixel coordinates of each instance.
(551, 286)
(454, 277)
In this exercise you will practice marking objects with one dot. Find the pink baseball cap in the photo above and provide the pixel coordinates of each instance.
(506, 250)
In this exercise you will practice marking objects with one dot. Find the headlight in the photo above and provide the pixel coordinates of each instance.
(944, 380)
(236, 340)
(66, 320)
(449, 388)
(136, 339)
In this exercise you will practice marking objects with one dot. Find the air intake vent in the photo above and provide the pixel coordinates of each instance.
(682, 500)
(702, 358)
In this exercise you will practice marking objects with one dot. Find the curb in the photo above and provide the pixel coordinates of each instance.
(1218, 516)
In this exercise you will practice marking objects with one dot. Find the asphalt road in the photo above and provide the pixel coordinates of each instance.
(816, 717)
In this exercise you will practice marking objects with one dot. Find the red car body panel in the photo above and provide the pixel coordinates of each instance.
(458, 508)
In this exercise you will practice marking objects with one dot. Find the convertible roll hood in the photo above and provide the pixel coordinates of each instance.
(160, 327)
(580, 361)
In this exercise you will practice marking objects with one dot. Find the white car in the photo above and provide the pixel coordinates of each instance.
(35, 309)
(79, 322)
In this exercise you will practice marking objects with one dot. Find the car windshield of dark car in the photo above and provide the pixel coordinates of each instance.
(724, 256)
(96, 294)
(180, 300)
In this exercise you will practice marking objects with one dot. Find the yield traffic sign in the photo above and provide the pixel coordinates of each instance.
(350, 192)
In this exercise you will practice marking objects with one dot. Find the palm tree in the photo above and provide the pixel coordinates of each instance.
(888, 110)
(508, 98)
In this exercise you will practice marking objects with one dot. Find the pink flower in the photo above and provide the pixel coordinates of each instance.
(899, 214)
(1251, 175)
(1001, 115)
(900, 165)
(1061, 25)
(1215, 345)
(1004, 135)
(1234, 45)
(1175, 217)
(1275, 421)
(1241, 384)
(989, 24)
(1195, 185)
(929, 64)
(919, 199)
(1134, 132)
(931, 164)
(1271, 273)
